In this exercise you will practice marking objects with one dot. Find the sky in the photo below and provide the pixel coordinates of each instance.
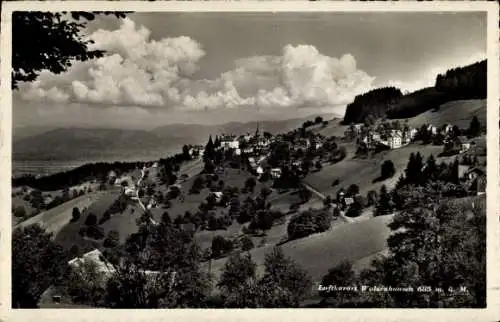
(213, 68)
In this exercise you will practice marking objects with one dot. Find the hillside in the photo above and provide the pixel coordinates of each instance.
(55, 219)
(22, 132)
(467, 82)
(457, 112)
(320, 252)
(362, 172)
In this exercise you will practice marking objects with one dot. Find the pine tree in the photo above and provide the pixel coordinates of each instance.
(384, 205)
(474, 127)
(217, 142)
(454, 171)
(209, 150)
(431, 170)
(410, 169)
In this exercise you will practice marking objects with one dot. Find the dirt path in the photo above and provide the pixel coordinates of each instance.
(323, 197)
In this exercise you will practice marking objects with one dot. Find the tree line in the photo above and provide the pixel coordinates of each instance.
(468, 82)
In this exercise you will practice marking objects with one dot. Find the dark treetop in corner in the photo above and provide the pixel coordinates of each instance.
(54, 42)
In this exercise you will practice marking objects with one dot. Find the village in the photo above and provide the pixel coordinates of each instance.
(300, 151)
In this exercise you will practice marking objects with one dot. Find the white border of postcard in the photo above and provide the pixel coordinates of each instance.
(492, 312)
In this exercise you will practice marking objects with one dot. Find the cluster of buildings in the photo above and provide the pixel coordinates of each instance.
(196, 151)
(393, 138)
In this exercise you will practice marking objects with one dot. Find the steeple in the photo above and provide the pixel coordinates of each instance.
(257, 131)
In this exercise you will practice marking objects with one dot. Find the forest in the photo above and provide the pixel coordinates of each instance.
(469, 82)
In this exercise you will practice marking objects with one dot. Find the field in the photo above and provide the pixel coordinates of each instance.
(333, 128)
(318, 253)
(69, 235)
(55, 219)
(457, 113)
(125, 223)
(363, 172)
(18, 201)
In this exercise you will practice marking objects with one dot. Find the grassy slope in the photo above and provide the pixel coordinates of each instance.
(69, 235)
(457, 112)
(125, 222)
(362, 172)
(320, 252)
(56, 218)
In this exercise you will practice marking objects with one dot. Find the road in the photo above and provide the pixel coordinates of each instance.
(143, 172)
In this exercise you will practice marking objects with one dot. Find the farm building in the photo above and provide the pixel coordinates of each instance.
(97, 258)
(112, 175)
(276, 173)
(218, 195)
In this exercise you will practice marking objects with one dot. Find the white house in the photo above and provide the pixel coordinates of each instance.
(130, 191)
(47, 200)
(248, 150)
(412, 133)
(237, 151)
(259, 170)
(95, 256)
(218, 195)
(464, 147)
(395, 140)
(112, 175)
(230, 142)
(431, 128)
(276, 173)
(448, 128)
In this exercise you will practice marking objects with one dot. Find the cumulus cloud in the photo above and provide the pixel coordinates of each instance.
(145, 72)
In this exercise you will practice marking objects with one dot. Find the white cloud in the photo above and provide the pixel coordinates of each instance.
(145, 72)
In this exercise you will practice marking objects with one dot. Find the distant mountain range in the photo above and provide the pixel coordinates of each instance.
(45, 144)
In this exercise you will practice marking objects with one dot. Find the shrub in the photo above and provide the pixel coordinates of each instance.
(387, 169)
(82, 231)
(323, 221)
(263, 220)
(95, 232)
(91, 220)
(309, 222)
(354, 210)
(335, 182)
(221, 246)
(112, 240)
(75, 215)
(19, 211)
(301, 225)
(247, 243)
(352, 190)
